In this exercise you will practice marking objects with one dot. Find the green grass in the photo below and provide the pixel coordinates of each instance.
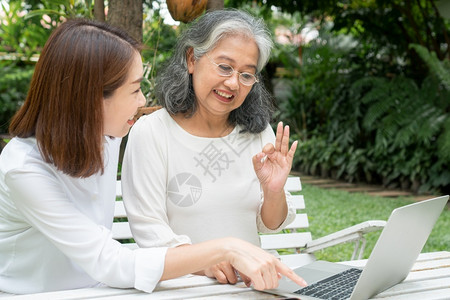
(331, 210)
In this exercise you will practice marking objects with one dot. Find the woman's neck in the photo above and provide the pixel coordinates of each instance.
(199, 125)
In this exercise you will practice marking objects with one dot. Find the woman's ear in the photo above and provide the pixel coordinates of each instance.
(190, 60)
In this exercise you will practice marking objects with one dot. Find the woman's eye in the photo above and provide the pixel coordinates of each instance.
(247, 76)
(225, 68)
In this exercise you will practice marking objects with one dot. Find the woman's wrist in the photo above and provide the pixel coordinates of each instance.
(274, 210)
(274, 196)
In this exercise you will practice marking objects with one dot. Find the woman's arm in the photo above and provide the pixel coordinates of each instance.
(272, 167)
(263, 269)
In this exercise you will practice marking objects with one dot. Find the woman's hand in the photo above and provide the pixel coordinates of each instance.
(273, 164)
(272, 167)
(256, 267)
(262, 269)
(225, 273)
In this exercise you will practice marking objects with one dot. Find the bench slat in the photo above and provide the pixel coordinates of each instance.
(119, 210)
(121, 231)
(285, 240)
(131, 246)
(301, 221)
(293, 184)
(298, 201)
(118, 188)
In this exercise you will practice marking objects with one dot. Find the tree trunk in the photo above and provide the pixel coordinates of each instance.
(214, 5)
(99, 10)
(128, 15)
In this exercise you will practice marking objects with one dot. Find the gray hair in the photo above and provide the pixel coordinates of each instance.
(174, 87)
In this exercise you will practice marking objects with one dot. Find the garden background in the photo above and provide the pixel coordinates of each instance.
(363, 84)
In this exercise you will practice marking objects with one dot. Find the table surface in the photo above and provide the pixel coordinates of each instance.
(428, 279)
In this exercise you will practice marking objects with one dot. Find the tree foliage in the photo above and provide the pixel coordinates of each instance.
(388, 25)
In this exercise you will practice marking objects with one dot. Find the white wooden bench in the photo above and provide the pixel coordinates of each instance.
(295, 239)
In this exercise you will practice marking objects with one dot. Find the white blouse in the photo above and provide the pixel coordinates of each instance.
(179, 188)
(55, 230)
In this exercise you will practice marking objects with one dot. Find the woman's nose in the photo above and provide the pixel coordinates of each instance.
(233, 81)
(142, 100)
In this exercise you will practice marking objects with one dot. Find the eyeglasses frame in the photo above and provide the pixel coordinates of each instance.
(233, 71)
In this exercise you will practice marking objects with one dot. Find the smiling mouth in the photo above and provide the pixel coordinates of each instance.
(131, 121)
(224, 95)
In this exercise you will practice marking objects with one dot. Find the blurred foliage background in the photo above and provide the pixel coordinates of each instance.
(363, 84)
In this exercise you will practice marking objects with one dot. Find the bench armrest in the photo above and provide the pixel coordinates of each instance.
(351, 234)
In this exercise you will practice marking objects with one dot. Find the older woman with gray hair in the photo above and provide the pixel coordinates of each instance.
(208, 164)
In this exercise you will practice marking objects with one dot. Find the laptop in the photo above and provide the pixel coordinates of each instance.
(393, 256)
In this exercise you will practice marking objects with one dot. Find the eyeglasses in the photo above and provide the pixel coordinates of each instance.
(245, 78)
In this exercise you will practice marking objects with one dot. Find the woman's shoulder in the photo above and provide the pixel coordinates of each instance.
(267, 135)
(20, 153)
(20, 147)
(157, 116)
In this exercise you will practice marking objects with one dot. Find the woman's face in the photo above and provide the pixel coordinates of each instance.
(215, 94)
(120, 109)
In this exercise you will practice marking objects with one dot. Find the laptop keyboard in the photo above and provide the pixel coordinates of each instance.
(339, 286)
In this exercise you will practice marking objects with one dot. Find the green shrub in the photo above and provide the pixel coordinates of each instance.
(14, 83)
(19, 35)
(358, 121)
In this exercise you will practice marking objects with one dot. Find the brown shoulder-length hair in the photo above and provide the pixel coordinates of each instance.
(82, 62)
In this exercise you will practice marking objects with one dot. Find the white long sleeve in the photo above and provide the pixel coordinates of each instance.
(55, 229)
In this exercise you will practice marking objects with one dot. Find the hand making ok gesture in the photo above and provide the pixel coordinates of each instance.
(273, 164)
(272, 167)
